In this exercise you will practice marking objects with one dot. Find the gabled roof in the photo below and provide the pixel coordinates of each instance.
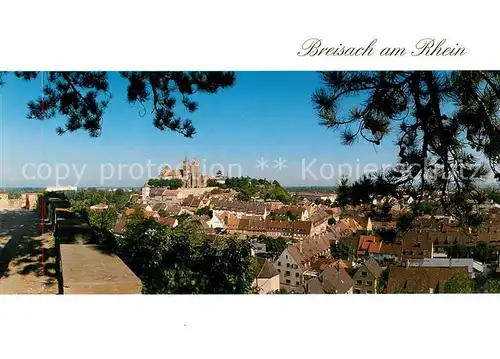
(173, 210)
(421, 279)
(372, 266)
(336, 280)
(313, 286)
(311, 247)
(192, 201)
(267, 270)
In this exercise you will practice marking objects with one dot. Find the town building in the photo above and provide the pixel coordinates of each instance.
(366, 277)
(268, 278)
(297, 258)
(239, 209)
(332, 280)
(474, 268)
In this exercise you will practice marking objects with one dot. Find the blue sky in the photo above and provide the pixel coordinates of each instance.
(265, 115)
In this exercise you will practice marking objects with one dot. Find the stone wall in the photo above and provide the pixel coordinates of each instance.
(86, 269)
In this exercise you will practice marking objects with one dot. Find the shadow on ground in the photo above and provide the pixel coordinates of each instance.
(22, 253)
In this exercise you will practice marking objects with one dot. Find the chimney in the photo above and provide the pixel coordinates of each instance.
(300, 246)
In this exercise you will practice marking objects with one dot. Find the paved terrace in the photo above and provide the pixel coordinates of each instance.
(30, 264)
(21, 243)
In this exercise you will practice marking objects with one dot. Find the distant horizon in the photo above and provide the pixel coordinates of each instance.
(481, 185)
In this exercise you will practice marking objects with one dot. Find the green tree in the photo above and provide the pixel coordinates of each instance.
(458, 250)
(342, 251)
(404, 222)
(204, 211)
(426, 207)
(275, 246)
(212, 183)
(481, 251)
(437, 116)
(83, 97)
(459, 283)
(331, 221)
(174, 261)
(383, 281)
(292, 217)
(104, 219)
(165, 183)
(492, 285)
(493, 195)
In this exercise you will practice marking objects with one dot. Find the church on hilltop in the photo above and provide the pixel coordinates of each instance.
(190, 174)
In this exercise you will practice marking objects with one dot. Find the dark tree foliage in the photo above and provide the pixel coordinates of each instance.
(459, 251)
(383, 281)
(438, 117)
(274, 246)
(251, 187)
(426, 207)
(492, 285)
(404, 223)
(387, 235)
(480, 252)
(205, 211)
(459, 283)
(82, 97)
(165, 183)
(176, 261)
(364, 190)
(212, 183)
(341, 251)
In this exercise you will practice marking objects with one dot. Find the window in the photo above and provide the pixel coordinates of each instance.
(279, 270)
(287, 272)
(279, 264)
(296, 275)
(369, 291)
(364, 274)
(358, 291)
(288, 281)
(369, 283)
(288, 265)
(297, 283)
(286, 256)
(359, 282)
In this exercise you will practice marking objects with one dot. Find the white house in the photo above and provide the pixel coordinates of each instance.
(60, 188)
(297, 258)
(216, 222)
(268, 279)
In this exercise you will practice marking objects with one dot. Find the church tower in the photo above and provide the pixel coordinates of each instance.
(369, 226)
(186, 175)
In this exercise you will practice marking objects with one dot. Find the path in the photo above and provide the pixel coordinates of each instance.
(21, 269)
